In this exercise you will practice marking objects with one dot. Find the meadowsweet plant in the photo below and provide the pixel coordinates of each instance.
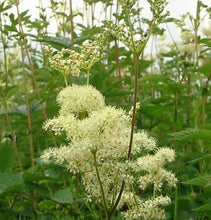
(127, 33)
(115, 170)
(97, 148)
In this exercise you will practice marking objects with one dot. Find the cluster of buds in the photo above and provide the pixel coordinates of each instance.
(65, 61)
(127, 4)
(122, 33)
(157, 8)
(70, 62)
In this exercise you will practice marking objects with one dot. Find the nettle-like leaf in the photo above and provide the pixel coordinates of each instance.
(203, 208)
(192, 134)
(63, 196)
(56, 42)
(11, 183)
(22, 109)
(202, 181)
(11, 90)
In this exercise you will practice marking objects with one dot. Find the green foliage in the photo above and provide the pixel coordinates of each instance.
(173, 91)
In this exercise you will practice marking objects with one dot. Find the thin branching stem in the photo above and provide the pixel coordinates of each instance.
(87, 80)
(31, 65)
(25, 87)
(13, 136)
(118, 63)
(100, 183)
(134, 106)
(4, 51)
(5, 100)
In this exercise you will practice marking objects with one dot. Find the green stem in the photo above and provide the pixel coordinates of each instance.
(88, 72)
(131, 30)
(5, 100)
(13, 135)
(134, 106)
(118, 63)
(24, 45)
(77, 189)
(100, 183)
(65, 80)
(176, 203)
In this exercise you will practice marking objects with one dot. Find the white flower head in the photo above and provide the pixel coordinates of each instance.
(79, 100)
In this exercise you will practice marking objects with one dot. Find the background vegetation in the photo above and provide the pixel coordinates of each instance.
(173, 91)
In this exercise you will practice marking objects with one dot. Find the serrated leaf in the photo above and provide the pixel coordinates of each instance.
(33, 174)
(13, 20)
(204, 157)
(56, 42)
(193, 134)
(11, 183)
(2, 8)
(203, 208)
(52, 172)
(63, 196)
(22, 109)
(11, 91)
(199, 181)
(24, 13)
(43, 75)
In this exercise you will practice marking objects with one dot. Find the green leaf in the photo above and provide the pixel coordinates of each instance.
(63, 196)
(46, 205)
(199, 181)
(6, 156)
(13, 20)
(22, 109)
(193, 134)
(33, 174)
(203, 208)
(11, 183)
(204, 157)
(11, 91)
(23, 14)
(43, 75)
(56, 42)
(205, 69)
(2, 8)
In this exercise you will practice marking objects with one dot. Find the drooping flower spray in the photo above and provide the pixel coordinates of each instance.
(115, 162)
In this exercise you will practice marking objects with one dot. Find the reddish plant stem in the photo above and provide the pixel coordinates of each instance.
(134, 105)
(5, 101)
(25, 88)
(32, 70)
(71, 26)
(13, 137)
(131, 135)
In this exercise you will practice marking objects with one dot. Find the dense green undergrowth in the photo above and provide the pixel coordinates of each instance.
(173, 89)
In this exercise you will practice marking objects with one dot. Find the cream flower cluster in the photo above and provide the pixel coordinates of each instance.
(69, 61)
(98, 137)
(85, 99)
(66, 61)
(149, 209)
